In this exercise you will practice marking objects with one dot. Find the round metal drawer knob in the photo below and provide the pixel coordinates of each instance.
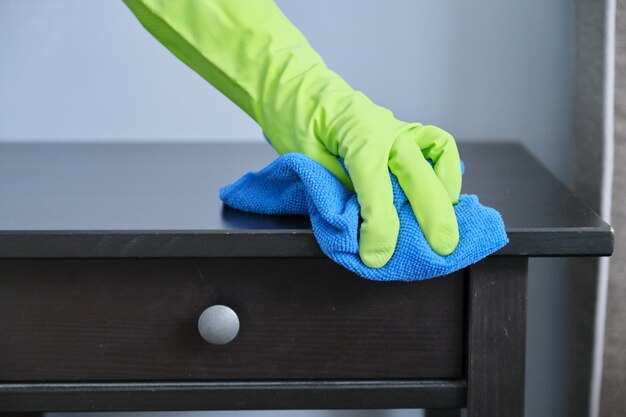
(218, 324)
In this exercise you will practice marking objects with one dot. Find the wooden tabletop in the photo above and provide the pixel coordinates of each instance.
(161, 200)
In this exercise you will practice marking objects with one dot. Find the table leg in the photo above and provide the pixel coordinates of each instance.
(497, 337)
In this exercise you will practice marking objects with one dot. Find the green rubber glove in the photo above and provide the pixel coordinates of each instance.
(251, 52)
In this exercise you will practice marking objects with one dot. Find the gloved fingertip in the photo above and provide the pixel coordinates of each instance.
(376, 258)
(454, 197)
(378, 241)
(445, 240)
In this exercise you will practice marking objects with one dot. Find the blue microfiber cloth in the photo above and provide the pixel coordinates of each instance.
(297, 185)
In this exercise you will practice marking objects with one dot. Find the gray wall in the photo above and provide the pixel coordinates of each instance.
(86, 70)
(612, 400)
(588, 276)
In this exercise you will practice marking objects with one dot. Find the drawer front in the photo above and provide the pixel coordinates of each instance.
(134, 319)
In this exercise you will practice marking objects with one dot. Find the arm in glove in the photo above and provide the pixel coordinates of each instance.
(251, 52)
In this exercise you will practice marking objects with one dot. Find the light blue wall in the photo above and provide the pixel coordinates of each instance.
(86, 70)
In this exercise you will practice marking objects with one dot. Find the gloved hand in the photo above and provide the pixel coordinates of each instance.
(251, 52)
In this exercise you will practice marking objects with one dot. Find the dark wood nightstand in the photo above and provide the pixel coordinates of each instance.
(110, 253)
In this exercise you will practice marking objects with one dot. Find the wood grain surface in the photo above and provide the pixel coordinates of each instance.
(162, 200)
(71, 320)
